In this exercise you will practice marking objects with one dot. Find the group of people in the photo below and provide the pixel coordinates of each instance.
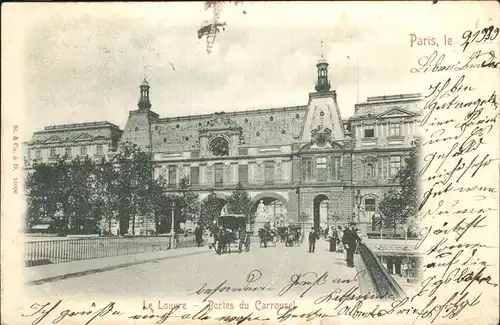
(341, 240)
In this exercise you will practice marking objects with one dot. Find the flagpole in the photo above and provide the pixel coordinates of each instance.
(357, 78)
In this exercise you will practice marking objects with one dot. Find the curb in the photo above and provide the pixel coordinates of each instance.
(104, 269)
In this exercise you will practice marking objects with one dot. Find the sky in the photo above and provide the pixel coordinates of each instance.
(84, 62)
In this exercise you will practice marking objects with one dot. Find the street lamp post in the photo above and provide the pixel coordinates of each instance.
(358, 203)
(327, 215)
(172, 225)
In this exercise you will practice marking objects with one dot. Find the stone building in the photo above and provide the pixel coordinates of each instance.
(95, 139)
(305, 163)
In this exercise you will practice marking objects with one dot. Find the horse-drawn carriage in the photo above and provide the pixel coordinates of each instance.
(266, 235)
(293, 235)
(231, 230)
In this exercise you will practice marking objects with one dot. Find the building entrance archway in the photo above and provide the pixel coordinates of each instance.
(321, 207)
(269, 209)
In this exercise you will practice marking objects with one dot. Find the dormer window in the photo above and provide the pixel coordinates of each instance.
(369, 131)
(219, 147)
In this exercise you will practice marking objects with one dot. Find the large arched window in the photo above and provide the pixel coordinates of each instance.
(219, 147)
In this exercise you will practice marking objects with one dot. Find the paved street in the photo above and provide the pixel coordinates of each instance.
(180, 276)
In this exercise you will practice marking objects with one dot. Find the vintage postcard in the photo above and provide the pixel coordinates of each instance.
(250, 163)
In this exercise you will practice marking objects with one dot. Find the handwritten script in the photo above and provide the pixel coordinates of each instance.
(459, 168)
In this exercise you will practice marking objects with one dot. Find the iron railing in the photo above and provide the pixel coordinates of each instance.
(67, 250)
(383, 283)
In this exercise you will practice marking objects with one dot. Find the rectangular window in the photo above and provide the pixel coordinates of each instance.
(38, 153)
(369, 131)
(52, 152)
(335, 170)
(195, 175)
(370, 205)
(394, 165)
(395, 129)
(29, 153)
(172, 175)
(99, 149)
(67, 152)
(321, 169)
(307, 172)
(219, 174)
(83, 150)
(269, 166)
(243, 174)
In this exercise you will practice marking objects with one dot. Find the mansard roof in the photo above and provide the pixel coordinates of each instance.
(384, 106)
(66, 133)
(276, 126)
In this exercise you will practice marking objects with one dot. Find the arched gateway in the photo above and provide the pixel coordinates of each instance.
(269, 207)
(321, 207)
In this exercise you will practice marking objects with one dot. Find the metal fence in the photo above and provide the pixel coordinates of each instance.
(66, 250)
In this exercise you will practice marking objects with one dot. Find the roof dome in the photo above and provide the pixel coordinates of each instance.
(145, 83)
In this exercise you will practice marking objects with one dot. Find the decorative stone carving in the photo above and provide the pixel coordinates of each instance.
(219, 147)
(279, 175)
(321, 136)
(260, 172)
(221, 121)
(227, 173)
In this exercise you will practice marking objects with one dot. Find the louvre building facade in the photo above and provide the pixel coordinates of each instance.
(304, 163)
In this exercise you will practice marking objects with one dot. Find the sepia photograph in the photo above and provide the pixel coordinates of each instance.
(242, 162)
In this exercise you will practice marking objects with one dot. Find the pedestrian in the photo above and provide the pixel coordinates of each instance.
(333, 240)
(211, 240)
(350, 240)
(346, 240)
(340, 235)
(313, 236)
(198, 233)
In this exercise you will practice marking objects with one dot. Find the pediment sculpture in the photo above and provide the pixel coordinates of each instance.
(220, 121)
(320, 136)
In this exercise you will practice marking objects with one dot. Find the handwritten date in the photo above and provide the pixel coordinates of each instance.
(486, 34)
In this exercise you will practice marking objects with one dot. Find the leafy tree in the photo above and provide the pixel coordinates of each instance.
(105, 194)
(135, 179)
(160, 201)
(239, 201)
(40, 185)
(79, 185)
(391, 207)
(210, 210)
(188, 201)
(401, 206)
(62, 190)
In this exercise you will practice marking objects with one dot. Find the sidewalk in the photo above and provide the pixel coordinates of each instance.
(37, 275)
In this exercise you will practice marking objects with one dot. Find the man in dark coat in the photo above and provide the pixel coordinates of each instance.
(198, 235)
(313, 236)
(350, 241)
(333, 240)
